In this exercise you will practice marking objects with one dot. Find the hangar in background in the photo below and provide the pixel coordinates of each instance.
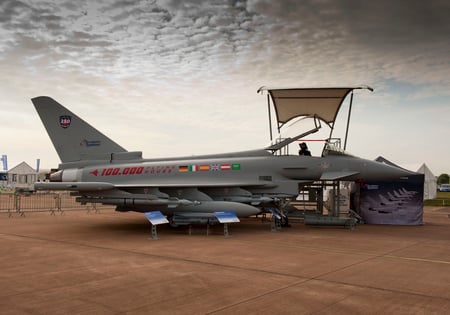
(22, 176)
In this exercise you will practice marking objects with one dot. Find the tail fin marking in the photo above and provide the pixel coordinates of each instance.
(73, 138)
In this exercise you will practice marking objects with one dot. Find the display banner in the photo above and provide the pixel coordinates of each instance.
(397, 202)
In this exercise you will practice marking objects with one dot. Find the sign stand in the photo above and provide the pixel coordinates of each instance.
(275, 221)
(273, 227)
(154, 233)
(225, 230)
(155, 218)
(226, 217)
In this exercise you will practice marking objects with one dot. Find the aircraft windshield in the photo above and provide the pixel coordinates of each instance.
(333, 147)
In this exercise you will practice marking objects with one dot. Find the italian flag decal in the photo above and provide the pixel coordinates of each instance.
(193, 168)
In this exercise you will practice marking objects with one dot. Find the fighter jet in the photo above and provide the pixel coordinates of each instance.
(187, 189)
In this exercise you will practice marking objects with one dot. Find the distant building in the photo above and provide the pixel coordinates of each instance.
(22, 176)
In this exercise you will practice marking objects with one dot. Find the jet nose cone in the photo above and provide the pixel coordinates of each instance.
(404, 173)
(382, 171)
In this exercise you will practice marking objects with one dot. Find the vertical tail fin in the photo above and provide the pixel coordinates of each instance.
(73, 138)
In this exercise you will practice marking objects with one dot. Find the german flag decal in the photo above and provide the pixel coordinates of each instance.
(183, 169)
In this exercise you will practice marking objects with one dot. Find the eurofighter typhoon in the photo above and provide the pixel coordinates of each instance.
(190, 189)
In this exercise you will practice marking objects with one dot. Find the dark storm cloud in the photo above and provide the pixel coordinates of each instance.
(162, 37)
(402, 21)
(149, 38)
(42, 22)
(369, 22)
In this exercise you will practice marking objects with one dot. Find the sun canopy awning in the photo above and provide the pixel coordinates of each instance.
(323, 103)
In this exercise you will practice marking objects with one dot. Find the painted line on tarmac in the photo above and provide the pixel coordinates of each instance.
(436, 261)
(347, 252)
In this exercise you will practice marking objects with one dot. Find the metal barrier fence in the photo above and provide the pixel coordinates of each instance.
(41, 202)
(444, 202)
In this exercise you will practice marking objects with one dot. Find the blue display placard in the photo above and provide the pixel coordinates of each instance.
(275, 213)
(156, 217)
(226, 217)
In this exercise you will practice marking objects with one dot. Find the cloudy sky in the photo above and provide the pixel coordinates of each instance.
(180, 77)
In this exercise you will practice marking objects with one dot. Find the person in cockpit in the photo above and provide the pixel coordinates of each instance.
(304, 150)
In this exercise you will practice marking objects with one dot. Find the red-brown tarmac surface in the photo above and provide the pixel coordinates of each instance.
(86, 263)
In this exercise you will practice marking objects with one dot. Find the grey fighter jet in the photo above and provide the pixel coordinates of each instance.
(190, 189)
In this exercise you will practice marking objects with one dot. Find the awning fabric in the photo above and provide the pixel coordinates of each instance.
(324, 103)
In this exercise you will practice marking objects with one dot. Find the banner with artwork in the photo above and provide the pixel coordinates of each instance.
(396, 202)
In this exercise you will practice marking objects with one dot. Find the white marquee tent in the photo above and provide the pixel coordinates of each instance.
(429, 184)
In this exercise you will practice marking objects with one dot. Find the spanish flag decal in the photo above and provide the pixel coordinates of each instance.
(203, 168)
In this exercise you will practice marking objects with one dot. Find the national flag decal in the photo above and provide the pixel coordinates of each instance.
(193, 168)
(214, 167)
(225, 167)
(204, 168)
(209, 167)
(183, 168)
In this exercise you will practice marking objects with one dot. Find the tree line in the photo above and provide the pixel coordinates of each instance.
(443, 179)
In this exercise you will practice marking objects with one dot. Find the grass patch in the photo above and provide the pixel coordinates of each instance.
(443, 195)
(442, 200)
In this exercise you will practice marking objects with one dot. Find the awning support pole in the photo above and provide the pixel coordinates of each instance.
(348, 120)
(270, 117)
